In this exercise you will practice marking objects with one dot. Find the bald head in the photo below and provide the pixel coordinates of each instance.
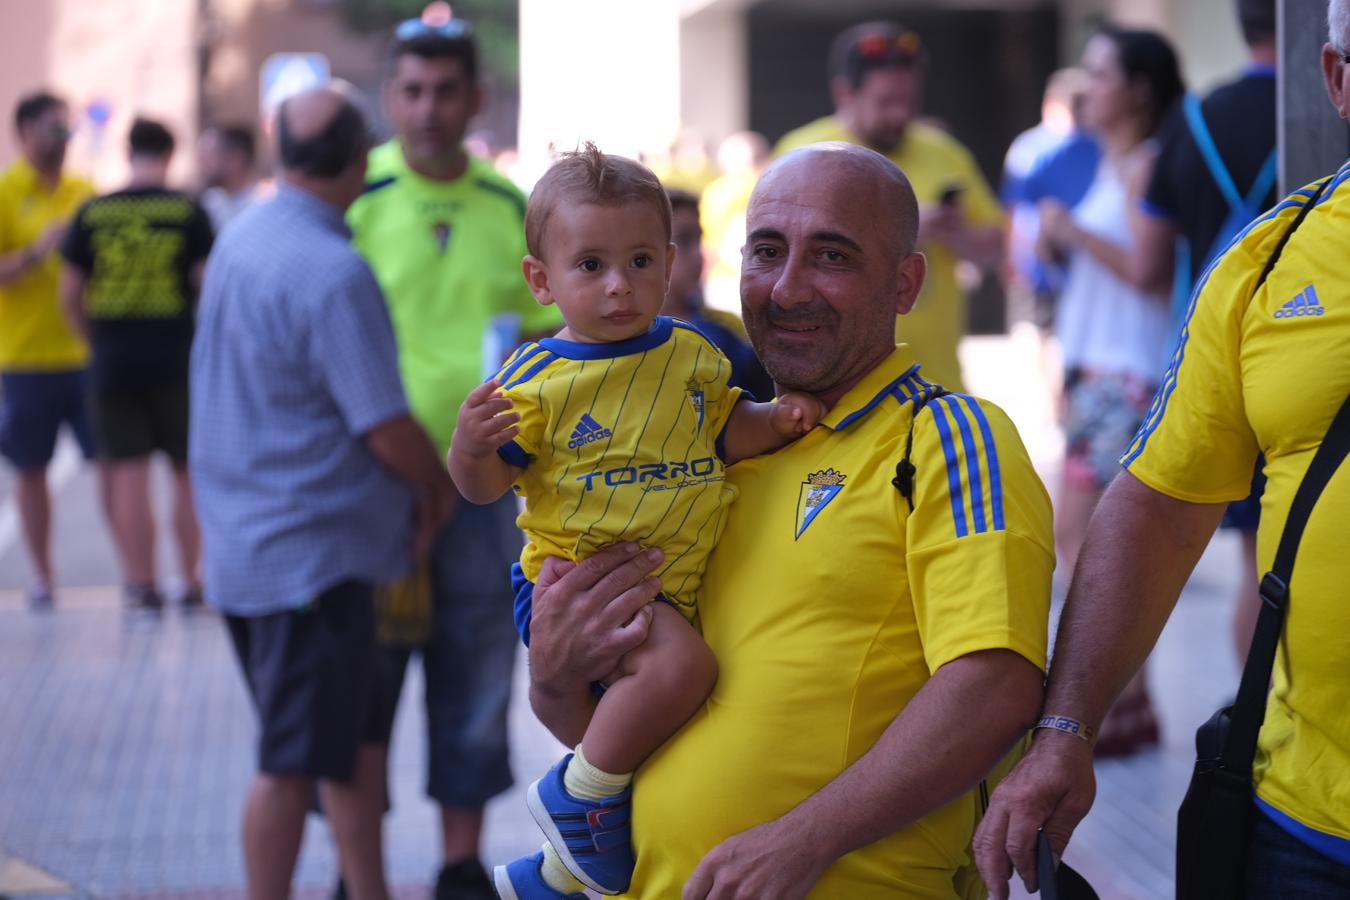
(853, 171)
(321, 131)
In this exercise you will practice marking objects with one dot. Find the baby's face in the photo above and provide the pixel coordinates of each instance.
(608, 269)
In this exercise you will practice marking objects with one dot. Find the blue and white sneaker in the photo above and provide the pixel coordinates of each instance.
(524, 880)
(592, 837)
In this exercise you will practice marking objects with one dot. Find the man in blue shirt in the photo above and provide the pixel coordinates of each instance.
(308, 470)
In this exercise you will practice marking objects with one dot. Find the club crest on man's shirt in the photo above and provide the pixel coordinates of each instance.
(815, 494)
(442, 232)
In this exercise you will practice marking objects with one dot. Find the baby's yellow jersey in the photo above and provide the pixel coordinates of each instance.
(623, 441)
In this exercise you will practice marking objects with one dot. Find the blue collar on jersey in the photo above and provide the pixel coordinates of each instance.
(657, 335)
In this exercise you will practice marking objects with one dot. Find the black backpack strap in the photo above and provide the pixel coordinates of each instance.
(904, 469)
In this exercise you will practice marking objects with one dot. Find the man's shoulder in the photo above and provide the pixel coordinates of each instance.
(924, 139)
(826, 128)
(495, 187)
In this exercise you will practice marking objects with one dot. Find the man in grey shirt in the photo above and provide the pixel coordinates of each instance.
(308, 471)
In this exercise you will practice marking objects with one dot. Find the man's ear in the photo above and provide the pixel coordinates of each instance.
(1332, 72)
(912, 270)
(479, 101)
(536, 276)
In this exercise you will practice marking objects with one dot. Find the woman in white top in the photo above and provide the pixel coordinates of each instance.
(1114, 337)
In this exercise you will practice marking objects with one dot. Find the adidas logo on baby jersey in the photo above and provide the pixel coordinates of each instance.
(588, 431)
(1305, 304)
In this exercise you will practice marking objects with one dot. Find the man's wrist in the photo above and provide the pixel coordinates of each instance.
(1067, 726)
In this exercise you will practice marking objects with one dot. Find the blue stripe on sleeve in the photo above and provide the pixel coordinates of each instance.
(522, 355)
(532, 371)
(991, 456)
(972, 461)
(953, 470)
(513, 454)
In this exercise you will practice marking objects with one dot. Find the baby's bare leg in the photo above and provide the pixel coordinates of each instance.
(654, 691)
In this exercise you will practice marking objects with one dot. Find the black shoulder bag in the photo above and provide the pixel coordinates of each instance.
(1214, 822)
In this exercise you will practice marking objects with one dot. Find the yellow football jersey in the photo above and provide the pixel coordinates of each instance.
(1265, 372)
(622, 441)
(829, 603)
(34, 333)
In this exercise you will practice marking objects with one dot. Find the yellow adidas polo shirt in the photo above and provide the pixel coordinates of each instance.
(933, 161)
(829, 605)
(1265, 373)
(34, 334)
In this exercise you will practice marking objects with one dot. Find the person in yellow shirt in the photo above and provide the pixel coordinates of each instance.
(1260, 367)
(876, 82)
(877, 603)
(42, 361)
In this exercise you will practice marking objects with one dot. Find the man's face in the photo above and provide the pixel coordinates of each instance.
(881, 108)
(821, 280)
(430, 103)
(44, 140)
(686, 274)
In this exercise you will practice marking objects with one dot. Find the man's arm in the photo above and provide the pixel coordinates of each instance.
(404, 449)
(1138, 553)
(1155, 247)
(15, 264)
(73, 283)
(970, 241)
(933, 752)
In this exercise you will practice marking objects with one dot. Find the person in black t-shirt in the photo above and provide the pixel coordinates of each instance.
(134, 261)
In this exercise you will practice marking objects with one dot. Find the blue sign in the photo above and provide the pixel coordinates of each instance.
(286, 74)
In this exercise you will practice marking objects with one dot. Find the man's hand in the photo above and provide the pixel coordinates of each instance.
(941, 222)
(485, 422)
(795, 413)
(768, 861)
(433, 510)
(1051, 789)
(50, 238)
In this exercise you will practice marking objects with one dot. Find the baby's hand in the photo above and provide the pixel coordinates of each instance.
(485, 422)
(795, 413)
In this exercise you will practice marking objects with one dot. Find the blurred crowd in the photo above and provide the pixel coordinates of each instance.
(304, 432)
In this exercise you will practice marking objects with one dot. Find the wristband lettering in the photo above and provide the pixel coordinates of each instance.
(1067, 726)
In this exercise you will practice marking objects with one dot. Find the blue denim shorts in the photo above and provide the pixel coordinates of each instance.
(469, 659)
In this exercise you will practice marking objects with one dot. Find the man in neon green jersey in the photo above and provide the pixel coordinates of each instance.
(444, 234)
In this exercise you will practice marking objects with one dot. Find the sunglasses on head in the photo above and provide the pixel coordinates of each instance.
(411, 28)
(904, 45)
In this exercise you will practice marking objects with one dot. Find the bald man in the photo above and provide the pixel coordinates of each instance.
(306, 464)
(877, 604)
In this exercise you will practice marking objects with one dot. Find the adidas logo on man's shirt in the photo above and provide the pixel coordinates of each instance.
(588, 431)
(1305, 304)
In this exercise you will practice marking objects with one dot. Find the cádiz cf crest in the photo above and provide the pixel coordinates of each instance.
(816, 492)
(442, 232)
(695, 392)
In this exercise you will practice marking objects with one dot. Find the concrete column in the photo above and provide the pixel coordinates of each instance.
(715, 73)
(1313, 139)
(601, 70)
